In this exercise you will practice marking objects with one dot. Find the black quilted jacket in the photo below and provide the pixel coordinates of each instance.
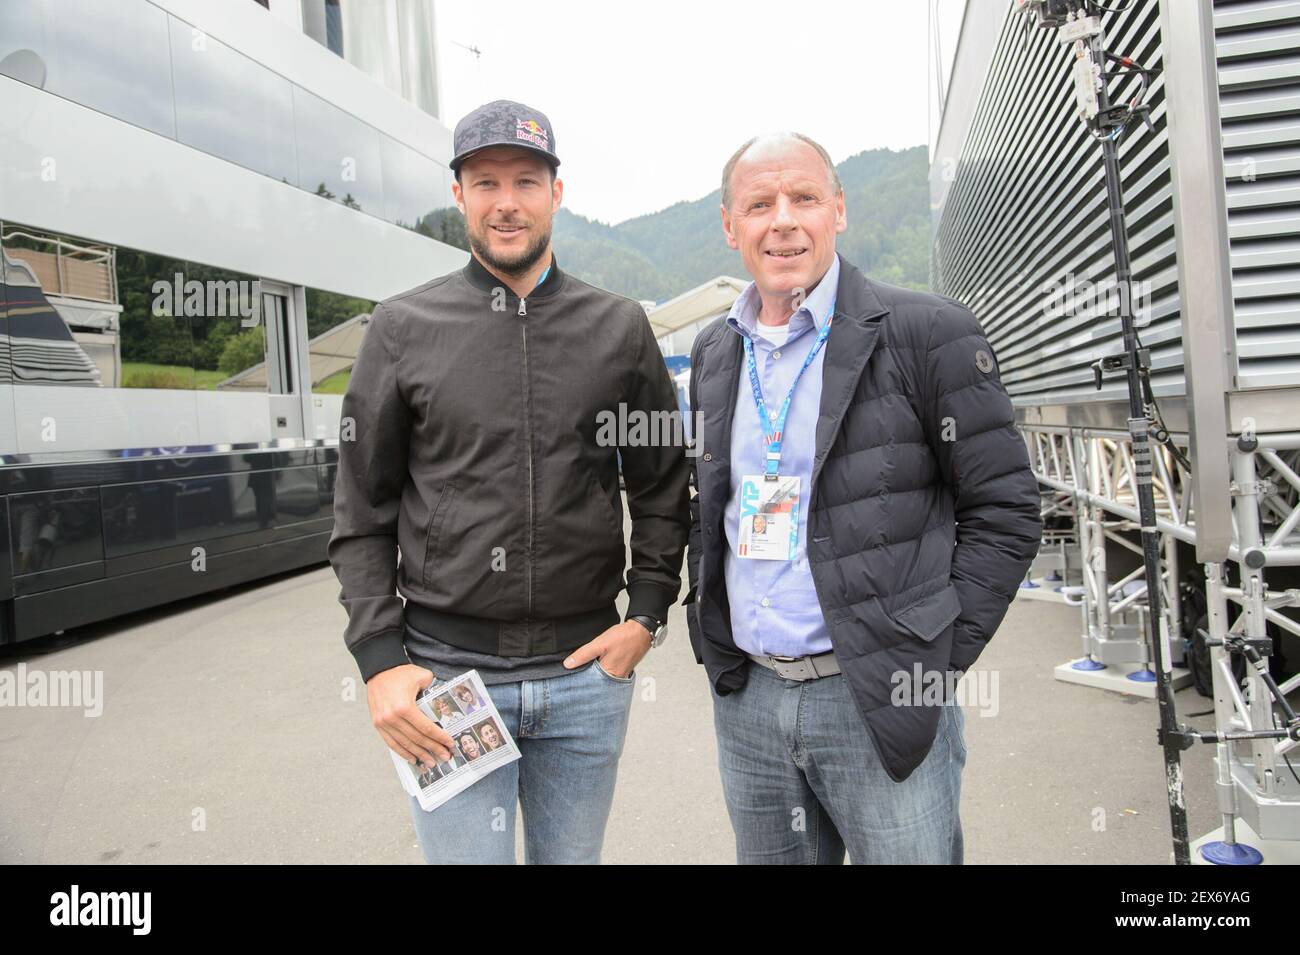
(924, 511)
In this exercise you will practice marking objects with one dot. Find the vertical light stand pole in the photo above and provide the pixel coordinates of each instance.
(1110, 123)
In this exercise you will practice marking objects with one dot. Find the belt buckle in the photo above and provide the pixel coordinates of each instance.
(792, 668)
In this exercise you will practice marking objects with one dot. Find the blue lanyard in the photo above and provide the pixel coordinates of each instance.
(773, 438)
(543, 278)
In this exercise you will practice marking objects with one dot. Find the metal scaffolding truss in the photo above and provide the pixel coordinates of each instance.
(1088, 474)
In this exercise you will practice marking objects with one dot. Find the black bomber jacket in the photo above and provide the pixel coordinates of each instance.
(475, 442)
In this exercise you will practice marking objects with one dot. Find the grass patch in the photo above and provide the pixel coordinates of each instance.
(335, 384)
(139, 374)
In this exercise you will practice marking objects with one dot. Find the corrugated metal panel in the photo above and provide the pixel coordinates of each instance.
(1023, 238)
(1259, 95)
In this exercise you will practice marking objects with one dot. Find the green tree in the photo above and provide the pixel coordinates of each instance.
(445, 225)
(325, 310)
(243, 351)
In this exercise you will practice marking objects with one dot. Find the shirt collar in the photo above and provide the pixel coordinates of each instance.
(481, 278)
(743, 316)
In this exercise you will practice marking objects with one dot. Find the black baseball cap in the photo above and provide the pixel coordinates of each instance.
(503, 122)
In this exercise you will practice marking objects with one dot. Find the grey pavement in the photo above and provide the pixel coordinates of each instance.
(235, 730)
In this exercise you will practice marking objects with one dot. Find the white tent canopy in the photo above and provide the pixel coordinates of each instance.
(331, 351)
(709, 300)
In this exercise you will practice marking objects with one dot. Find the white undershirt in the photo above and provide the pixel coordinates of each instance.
(776, 334)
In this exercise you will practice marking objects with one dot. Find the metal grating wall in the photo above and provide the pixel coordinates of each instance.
(1258, 45)
(1023, 237)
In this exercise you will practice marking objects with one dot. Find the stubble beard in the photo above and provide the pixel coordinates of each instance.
(516, 266)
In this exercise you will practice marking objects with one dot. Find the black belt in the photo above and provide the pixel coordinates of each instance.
(800, 668)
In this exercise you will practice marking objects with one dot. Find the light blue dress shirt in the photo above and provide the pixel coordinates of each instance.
(774, 606)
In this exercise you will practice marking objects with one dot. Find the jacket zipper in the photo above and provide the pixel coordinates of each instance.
(528, 439)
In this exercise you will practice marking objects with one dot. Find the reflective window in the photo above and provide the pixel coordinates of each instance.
(63, 312)
(322, 20)
(24, 49)
(187, 325)
(338, 154)
(109, 317)
(335, 326)
(391, 41)
(333, 27)
(154, 338)
(415, 25)
(414, 185)
(126, 57)
(228, 325)
(370, 41)
(112, 57)
(53, 529)
(231, 107)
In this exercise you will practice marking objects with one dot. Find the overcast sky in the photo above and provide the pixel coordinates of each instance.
(648, 101)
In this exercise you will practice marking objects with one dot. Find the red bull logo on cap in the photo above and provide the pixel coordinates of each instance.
(532, 131)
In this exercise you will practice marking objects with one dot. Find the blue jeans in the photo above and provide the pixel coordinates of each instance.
(803, 781)
(570, 732)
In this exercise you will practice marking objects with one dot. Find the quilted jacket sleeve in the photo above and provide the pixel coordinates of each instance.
(971, 428)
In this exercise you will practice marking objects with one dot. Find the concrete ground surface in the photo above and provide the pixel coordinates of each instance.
(235, 730)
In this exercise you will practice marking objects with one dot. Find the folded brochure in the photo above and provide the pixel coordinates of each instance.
(463, 708)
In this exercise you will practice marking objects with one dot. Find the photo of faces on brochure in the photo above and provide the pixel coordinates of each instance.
(481, 742)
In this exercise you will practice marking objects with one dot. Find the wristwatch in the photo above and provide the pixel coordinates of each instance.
(658, 631)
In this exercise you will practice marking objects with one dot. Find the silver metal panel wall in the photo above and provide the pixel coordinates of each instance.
(1023, 236)
(1259, 102)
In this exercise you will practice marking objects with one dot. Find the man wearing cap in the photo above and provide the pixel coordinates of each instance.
(864, 428)
(476, 451)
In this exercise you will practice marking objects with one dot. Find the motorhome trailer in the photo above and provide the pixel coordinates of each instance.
(199, 204)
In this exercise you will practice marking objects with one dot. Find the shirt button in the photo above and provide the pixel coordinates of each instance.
(708, 457)
(766, 601)
(776, 354)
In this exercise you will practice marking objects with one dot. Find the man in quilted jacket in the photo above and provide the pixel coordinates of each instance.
(865, 512)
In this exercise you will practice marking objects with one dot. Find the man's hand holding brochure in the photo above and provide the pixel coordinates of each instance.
(480, 742)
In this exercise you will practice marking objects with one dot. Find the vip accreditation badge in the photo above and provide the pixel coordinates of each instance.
(769, 518)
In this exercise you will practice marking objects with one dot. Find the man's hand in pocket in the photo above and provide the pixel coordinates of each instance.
(619, 649)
